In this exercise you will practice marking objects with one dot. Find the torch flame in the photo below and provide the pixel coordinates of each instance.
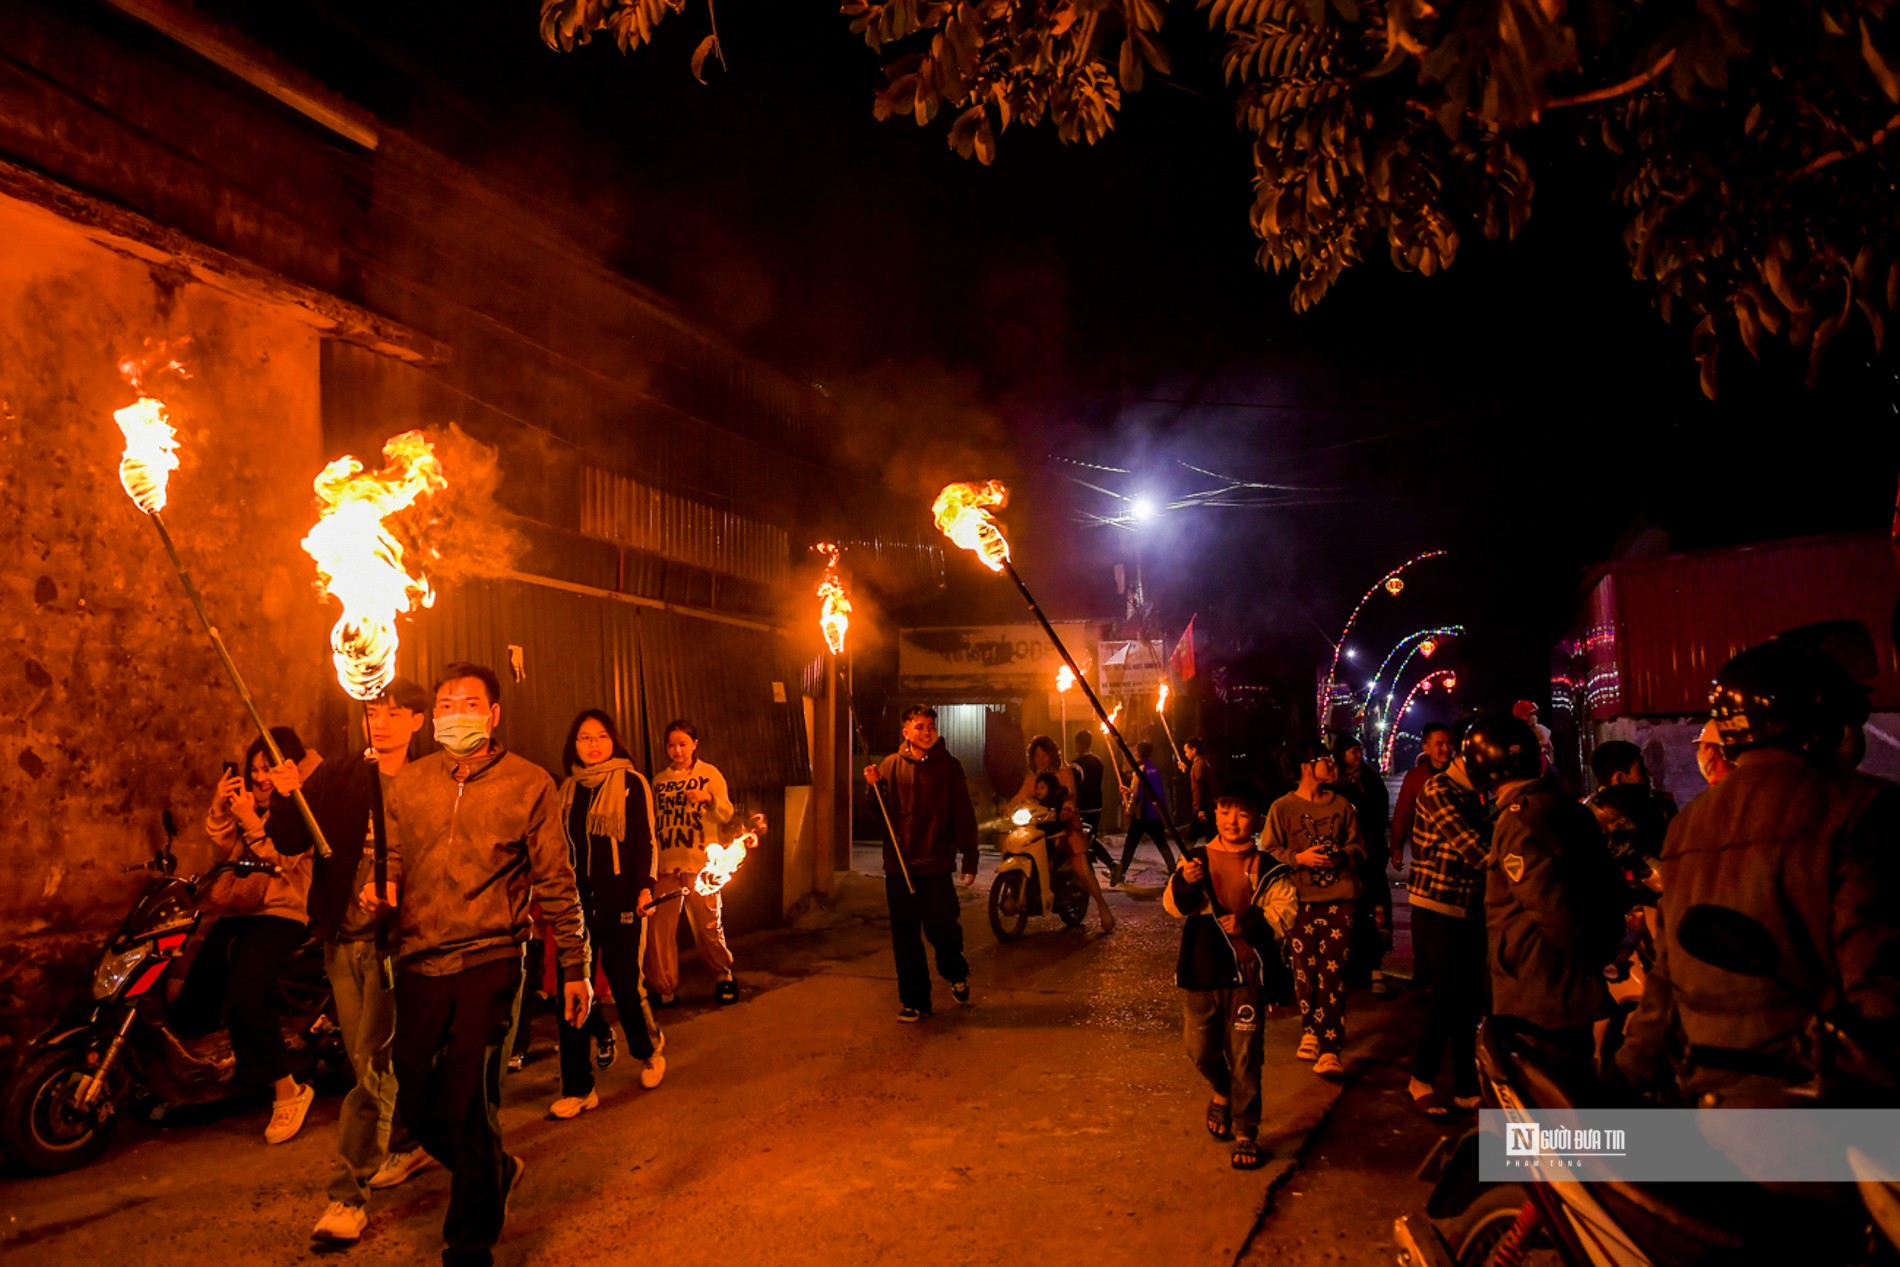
(835, 613)
(1065, 678)
(150, 452)
(962, 514)
(721, 862)
(1112, 718)
(1161, 701)
(361, 565)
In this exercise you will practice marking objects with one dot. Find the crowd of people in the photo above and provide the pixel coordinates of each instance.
(1524, 905)
(441, 868)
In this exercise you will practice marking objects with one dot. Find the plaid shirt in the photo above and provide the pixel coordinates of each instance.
(1449, 842)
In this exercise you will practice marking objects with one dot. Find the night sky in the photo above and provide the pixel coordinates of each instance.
(1527, 410)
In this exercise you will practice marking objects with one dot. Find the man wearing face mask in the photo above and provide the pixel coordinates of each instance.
(474, 836)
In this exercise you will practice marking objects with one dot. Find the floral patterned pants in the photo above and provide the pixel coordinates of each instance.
(1322, 933)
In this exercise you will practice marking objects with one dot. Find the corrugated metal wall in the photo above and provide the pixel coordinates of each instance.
(1652, 635)
(631, 514)
(646, 667)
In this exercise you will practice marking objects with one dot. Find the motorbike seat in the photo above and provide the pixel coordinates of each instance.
(1676, 1223)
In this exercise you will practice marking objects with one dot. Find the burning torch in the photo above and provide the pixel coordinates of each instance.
(1065, 682)
(962, 513)
(361, 565)
(1113, 756)
(1161, 711)
(151, 455)
(835, 620)
(722, 861)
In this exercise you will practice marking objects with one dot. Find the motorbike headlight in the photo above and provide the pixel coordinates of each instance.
(1021, 817)
(114, 970)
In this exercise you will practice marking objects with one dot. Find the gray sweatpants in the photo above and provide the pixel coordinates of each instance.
(1224, 1030)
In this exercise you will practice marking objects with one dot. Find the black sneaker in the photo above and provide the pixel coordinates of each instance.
(960, 991)
(910, 1016)
(727, 992)
(606, 1050)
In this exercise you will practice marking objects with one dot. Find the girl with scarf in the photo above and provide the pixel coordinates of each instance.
(607, 814)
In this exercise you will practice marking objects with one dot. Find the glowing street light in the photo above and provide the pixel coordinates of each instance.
(1143, 509)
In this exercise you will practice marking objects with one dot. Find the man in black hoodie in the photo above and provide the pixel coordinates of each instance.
(375, 1149)
(929, 801)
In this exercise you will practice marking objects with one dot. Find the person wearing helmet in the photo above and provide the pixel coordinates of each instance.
(1710, 759)
(1526, 711)
(1805, 847)
(1553, 898)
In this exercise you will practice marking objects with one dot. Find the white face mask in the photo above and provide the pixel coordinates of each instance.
(462, 733)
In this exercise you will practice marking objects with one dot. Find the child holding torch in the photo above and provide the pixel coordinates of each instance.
(1237, 906)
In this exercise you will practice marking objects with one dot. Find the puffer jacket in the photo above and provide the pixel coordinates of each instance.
(1814, 857)
(1553, 904)
(470, 844)
(1207, 960)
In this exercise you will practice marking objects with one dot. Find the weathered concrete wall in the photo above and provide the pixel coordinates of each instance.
(113, 702)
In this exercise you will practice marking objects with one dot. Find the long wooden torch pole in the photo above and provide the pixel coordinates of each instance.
(877, 789)
(1154, 795)
(237, 682)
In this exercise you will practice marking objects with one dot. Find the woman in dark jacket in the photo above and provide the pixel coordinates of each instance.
(607, 815)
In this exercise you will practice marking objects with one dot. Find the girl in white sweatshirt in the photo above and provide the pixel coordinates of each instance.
(694, 809)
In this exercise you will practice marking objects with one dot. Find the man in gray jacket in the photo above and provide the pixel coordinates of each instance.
(473, 837)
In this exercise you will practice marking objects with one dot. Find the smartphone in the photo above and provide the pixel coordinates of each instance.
(230, 769)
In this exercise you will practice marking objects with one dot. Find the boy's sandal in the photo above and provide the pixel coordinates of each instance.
(1429, 1104)
(1247, 1155)
(1220, 1119)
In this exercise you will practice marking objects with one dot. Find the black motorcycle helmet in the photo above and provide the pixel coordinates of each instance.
(1499, 748)
(1785, 694)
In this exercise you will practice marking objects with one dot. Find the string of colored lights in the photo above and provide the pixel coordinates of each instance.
(1386, 719)
(1422, 686)
(1392, 583)
(1419, 636)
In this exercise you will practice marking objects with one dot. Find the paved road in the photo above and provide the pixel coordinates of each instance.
(1057, 1119)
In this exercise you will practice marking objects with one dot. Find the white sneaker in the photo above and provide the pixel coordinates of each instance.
(1309, 1047)
(569, 1106)
(398, 1167)
(1330, 1066)
(286, 1116)
(653, 1071)
(340, 1223)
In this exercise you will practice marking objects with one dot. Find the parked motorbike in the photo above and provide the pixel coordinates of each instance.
(75, 1081)
(1026, 884)
(1470, 1223)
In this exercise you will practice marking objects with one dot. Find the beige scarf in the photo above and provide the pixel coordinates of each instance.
(607, 815)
